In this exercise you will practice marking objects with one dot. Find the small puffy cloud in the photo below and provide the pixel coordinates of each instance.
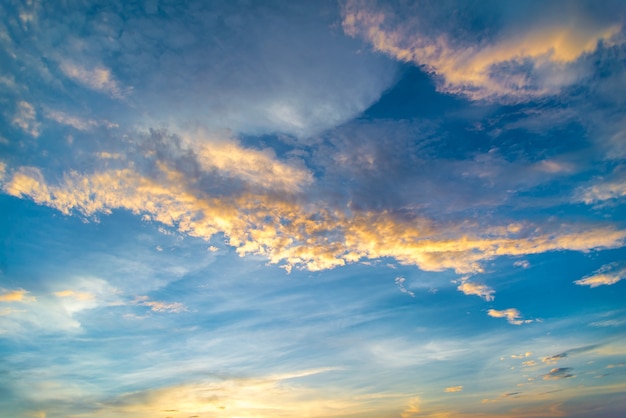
(558, 373)
(400, 283)
(453, 389)
(481, 290)
(606, 275)
(536, 60)
(98, 78)
(529, 363)
(522, 263)
(25, 118)
(512, 315)
(19, 295)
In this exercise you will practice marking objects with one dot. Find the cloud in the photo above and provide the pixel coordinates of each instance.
(264, 68)
(602, 191)
(81, 296)
(512, 315)
(19, 295)
(77, 122)
(520, 356)
(98, 78)
(522, 263)
(533, 61)
(295, 233)
(26, 118)
(612, 366)
(470, 288)
(555, 358)
(258, 168)
(400, 283)
(453, 389)
(606, 275)
(157, 306)
(558, 373)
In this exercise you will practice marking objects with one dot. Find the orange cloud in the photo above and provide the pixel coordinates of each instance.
(485, 70)
(16, 296)
(512, 315)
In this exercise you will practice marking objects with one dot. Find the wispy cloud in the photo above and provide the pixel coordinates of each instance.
(453, 389)
(159, 306)
(606, 275)
(26, 118)
(98, 78)
(76, 122)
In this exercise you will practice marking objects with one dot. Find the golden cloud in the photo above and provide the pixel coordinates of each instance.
(293, 233)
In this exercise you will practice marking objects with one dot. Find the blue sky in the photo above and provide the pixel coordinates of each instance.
(312, 209)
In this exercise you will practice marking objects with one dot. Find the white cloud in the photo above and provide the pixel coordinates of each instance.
(400, 283)
(522, 263)
(602, 191)
(606, 275)
(481, 290)
(26, 118)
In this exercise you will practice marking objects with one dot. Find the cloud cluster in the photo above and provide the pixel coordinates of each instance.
(297, 234)
(293, 233)
(530, 62)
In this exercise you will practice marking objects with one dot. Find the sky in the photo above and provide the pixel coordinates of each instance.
(312, 209)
